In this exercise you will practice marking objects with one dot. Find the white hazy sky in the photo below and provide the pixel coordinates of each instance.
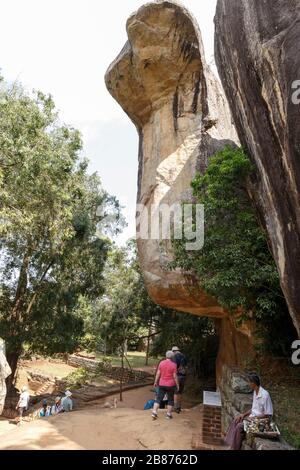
(64, 47)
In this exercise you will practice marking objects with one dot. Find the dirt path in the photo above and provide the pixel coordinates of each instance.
(95, 428)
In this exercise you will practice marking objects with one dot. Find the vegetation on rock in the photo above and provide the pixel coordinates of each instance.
(235, 265)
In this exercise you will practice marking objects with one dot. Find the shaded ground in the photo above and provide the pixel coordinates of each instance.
(126, 428)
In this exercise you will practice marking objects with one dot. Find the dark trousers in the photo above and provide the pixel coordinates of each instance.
(166, 390)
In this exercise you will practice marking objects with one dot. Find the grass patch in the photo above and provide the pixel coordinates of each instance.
(135, 359)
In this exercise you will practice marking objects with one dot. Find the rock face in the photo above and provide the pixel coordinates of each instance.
(258, 62)
(4, 373)
(163, 83)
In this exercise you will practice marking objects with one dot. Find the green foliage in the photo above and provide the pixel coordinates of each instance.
(78, 378)
(236, 266)
(51, 251)
(291, 437)
(194, 335)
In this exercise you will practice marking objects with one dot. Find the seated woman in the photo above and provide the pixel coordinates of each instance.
(45, 411)
(261, 408)
(57, 407)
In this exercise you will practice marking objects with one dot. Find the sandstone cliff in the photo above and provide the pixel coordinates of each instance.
(4, 373)
(163, 83)
(258, 61)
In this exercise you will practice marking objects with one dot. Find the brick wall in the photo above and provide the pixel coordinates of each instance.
(212, 417)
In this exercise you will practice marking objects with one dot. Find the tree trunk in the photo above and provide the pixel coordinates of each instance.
(12, 359)
(122, 374)
(148, 342)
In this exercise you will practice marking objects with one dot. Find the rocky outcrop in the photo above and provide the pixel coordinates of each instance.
(163, 83)
(4, 373)
(259, 65)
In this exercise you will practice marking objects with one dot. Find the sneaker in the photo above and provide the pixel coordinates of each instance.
(169, 416)
(177, 410)
(154, 416)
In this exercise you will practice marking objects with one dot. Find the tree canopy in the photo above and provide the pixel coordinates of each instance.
(51, 251)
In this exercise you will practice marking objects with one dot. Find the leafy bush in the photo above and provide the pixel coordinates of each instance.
(78, 378)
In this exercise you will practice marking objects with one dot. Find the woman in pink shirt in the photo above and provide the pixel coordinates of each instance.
(167, 382)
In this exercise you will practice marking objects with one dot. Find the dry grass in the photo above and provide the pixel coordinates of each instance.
(56, 369)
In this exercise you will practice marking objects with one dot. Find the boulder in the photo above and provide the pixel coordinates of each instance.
(162, 81)
(239, 383)
(4, 373)
(243, 402)
(268, 444)
(259, 66)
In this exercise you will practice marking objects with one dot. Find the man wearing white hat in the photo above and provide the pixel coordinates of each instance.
(181, 374)
(67, 402)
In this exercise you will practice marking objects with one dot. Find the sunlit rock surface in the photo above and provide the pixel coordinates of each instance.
(4, 373)
(163, 83)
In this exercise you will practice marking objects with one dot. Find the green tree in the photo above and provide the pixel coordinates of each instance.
(236, 266)
(50, 249)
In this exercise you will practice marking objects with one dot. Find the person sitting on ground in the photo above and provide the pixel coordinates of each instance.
(56, 408)
(22, 404)
(181, 363)
(167, 382)
(261, 408)
(67, 402)
(45, 411)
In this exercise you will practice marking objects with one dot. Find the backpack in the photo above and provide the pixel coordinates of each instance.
(149, 405)
(181, 365)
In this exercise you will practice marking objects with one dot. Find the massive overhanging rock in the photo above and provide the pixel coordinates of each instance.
(4, 373)
(257, 54)
(163, 83)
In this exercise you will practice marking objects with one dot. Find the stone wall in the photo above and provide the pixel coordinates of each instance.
(113, 372)
(235, 394)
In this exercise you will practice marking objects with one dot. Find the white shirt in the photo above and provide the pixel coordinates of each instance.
(262, 403)
(24, 400)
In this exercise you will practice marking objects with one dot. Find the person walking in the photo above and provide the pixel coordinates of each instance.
(22, 404)
(181, 364)
(167, 382)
